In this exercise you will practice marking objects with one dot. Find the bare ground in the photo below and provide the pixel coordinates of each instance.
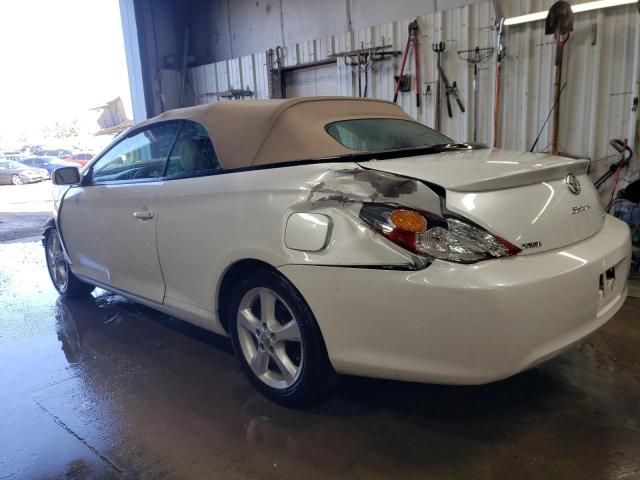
(23, 210)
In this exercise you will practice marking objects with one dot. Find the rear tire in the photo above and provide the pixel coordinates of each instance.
(278, 342)
(17, 180)
(63, 279)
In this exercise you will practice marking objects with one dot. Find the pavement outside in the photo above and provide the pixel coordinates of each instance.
(103, 388)
(24, 209)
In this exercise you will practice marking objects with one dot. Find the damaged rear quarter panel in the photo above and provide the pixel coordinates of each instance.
(339, 191)
(207, 224)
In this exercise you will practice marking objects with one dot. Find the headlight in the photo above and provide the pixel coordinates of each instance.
(433, 236)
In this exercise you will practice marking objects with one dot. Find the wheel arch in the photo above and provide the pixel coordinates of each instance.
(231, 275)
(48, 225)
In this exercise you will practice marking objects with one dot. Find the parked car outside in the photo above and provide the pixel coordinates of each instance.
(47, 163)
(80, 158)
(14, 156)
(343, 237)
(56, 152)
(16, 173)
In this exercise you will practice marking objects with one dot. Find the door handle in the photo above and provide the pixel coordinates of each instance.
(144, 215)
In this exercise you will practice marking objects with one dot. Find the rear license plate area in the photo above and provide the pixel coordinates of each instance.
(610, 281)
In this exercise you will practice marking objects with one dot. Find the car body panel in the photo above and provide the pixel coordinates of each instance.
(548, 216)
(465, 324)
(198, 215)
(484, 169)
(118, 249)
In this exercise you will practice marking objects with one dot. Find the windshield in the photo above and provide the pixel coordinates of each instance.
(383, 134)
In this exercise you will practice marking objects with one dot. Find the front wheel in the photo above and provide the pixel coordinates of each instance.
(17, 180)
(64, 281)
(278, 341)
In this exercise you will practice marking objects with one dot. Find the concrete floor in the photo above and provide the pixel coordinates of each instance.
(103, 388)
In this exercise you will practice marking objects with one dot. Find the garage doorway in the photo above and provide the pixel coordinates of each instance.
(320, 80)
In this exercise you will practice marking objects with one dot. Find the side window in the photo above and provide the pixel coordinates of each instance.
(193, 153)
(137, 157)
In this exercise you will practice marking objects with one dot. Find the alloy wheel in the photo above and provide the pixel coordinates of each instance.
(17, 180)
(56, 262)
(270, 338)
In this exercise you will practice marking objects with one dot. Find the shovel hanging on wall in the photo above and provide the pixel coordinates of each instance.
(559, 23)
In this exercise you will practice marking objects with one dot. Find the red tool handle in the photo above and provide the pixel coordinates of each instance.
(404, 61)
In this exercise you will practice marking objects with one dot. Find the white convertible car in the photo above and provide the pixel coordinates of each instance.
(335, 235)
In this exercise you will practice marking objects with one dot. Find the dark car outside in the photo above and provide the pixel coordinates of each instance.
(57, 152)
(48, 163)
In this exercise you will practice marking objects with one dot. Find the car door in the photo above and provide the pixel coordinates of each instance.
(187, 200)
(108, 223)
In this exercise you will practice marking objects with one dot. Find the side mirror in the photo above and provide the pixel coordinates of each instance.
(66, 176)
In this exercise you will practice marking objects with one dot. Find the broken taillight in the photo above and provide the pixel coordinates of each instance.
(433, 236)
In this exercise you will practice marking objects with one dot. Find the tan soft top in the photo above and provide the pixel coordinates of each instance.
(261, 132)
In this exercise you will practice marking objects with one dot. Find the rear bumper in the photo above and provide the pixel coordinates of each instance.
(466, 324)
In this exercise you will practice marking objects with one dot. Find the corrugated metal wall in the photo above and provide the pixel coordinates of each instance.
(601, 70)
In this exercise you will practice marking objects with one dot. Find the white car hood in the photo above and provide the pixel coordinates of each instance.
(482, 169)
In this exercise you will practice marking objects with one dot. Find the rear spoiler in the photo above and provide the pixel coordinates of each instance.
(527, 177)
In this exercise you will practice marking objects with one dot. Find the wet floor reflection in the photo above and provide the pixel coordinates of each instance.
(108, 388)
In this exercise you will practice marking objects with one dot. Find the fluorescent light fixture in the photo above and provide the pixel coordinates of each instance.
(580, 7)
(531, 17)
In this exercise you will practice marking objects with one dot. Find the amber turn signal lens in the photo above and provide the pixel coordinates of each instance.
(408, 221)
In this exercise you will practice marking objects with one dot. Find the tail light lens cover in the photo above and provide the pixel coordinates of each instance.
(432, 236)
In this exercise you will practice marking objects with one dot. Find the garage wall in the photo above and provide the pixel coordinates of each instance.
(601, 71)
(321, 80)
(230, 28)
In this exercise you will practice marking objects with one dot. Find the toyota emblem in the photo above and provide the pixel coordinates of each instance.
(573, 184)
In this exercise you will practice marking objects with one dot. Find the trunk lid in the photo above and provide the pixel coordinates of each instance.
(521, 197)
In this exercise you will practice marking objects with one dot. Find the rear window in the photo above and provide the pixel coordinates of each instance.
(382, 134)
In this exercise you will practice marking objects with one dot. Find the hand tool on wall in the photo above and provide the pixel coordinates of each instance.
(449, 89)
(499, 28)
(275, 64)
(363, 59)
(412, 41)
(438, 48)
(231, 94)
(559, 23)
(475, 57)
